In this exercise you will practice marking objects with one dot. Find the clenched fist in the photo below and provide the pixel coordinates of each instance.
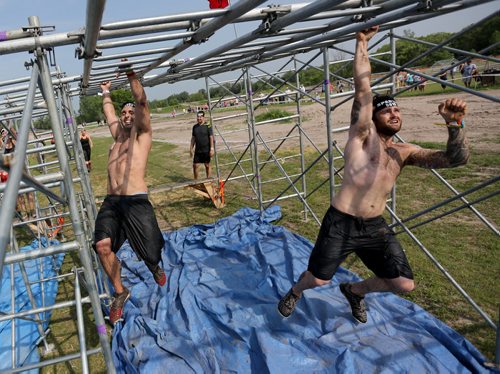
(453, 110)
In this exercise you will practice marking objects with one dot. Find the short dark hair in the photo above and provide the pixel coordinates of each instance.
(127, 103)
(200, 113)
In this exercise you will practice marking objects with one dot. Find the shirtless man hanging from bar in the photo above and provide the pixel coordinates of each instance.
(373, 161)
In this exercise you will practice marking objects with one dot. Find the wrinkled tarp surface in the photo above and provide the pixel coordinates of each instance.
(218, 313)
(26, 332)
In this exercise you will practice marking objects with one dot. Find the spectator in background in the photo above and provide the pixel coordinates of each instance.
(202, 145)
(444, 77)
(86, 142)
(468, 72)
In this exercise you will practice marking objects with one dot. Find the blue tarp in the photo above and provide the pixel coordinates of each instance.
(26, 332)
(218, 312)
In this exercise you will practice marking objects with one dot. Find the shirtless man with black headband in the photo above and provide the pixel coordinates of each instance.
(373, 162)
(126, 212)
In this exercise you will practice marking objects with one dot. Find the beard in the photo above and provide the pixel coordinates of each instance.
(388, 130)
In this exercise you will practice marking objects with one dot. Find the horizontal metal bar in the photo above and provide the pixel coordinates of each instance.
(284, 197)
(52, 361)
(234, 162)
(274, 120)
(279, 179)
(38, 253)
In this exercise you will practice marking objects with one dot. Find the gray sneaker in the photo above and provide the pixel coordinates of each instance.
(116, 309)
(358, 307)
(287, 304)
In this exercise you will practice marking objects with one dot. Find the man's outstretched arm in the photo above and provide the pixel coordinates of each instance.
(457, 149)
(142, 113)
(108, 109)
(361, 113)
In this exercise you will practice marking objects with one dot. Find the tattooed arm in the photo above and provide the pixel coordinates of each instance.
(457, 149)
(361, 113)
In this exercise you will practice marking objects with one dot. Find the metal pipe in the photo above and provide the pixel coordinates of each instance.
(206, 31)
(443, 270)
(80, 325)
(84, 250)
(327, 85)
(10, 197)
(93, 19)
(253, 134)
(290, 182)
(55, 81)
(44, 41)
(38, 253)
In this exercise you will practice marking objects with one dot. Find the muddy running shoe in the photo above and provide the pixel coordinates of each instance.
(159, 276)
(287, 304)
(358, 307)
(116, 310)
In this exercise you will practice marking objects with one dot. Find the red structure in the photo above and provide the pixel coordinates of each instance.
(218, 4)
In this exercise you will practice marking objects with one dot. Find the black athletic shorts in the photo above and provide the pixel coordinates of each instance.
(371, 239)
(201, 158)
(130, 217)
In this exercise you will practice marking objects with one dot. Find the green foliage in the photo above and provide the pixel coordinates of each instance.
(197, 96)
(407, 51)
(121, 96)
(42, 123)
(272, 114)
(480, 37)
(90, 109)
(91, 106)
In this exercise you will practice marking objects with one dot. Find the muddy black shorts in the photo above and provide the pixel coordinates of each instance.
(371, 239)
(201, 158)
(130, 217)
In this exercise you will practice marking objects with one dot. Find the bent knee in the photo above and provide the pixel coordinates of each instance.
(404, 285)
(320, 282)
(103, 247)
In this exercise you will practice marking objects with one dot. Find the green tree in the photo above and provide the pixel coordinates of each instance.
(480, 37)
(42, 123)
(90, 109)
(407, 51)
(197, 96)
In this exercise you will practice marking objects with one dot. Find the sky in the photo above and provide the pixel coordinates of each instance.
(70, 15)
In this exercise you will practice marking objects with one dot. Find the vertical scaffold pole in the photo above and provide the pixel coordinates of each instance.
(80, 163)
(301, 138)
(16, 170)
(326, 84)
(213, 125)
(392, 41)
(255, 148)
(84, 250)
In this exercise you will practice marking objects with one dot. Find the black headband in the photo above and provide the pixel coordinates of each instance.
(382, 102)
(128, 103)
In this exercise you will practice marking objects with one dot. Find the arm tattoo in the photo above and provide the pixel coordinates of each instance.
(356, 107)
(457, 148)
(457, 153)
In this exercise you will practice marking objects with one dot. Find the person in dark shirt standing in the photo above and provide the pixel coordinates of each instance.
(202, 143)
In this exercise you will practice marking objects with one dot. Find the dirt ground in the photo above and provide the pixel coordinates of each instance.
(419, 117)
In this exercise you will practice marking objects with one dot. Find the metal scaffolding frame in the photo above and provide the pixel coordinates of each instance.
(61, 186)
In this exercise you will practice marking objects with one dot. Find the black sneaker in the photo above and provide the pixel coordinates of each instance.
(287, 304)
(358, 307)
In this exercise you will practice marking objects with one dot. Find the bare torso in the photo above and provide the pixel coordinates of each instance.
(127, 162)
(370, 172)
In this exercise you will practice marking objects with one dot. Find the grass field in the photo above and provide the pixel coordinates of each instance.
(460, 242)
